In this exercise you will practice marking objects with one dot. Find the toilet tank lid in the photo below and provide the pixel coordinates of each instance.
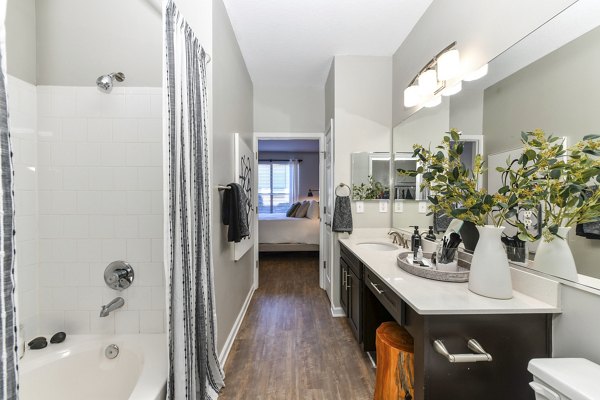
(576, 378)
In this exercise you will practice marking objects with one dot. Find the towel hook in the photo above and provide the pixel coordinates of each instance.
(342, 185)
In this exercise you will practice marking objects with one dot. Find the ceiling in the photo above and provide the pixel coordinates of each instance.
(292, 42)
(288, 146)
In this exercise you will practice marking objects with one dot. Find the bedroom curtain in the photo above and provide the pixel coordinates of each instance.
(295, 181)
(194, 370)
(8, 358)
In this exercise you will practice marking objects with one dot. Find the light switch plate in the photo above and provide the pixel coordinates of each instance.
(398, 206)
(383, 206)
(423, 207)
(360, 207)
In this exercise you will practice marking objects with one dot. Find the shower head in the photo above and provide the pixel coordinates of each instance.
(105, 82)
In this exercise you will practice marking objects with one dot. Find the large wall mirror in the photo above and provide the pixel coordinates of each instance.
(546, 81)
(370, 176)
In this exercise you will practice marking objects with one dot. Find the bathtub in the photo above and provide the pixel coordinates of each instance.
(78, 369)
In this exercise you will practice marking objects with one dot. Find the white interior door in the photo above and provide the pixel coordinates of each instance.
(327, 204)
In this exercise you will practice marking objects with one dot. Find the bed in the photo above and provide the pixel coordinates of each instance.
(276, 232)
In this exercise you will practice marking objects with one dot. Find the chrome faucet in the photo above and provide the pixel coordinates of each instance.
(399, 238)
(112, 306)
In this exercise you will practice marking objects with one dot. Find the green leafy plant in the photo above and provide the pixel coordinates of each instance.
(563, 180)
(373, 191)
(454, 188)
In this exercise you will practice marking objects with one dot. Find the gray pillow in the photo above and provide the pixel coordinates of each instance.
(302, 210)
(292, 209)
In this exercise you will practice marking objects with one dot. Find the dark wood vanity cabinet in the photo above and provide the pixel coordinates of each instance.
(351, 290)
(511, 339)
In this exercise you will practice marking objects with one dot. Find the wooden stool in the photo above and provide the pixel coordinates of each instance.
(395, 363)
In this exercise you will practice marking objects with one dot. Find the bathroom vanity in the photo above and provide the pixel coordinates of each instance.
(510, 332)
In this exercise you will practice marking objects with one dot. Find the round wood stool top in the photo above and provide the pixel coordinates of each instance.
(395, 336)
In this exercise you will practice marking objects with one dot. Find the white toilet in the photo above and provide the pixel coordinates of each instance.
(565, 379)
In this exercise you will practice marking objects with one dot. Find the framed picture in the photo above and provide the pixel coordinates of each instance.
(244, 175)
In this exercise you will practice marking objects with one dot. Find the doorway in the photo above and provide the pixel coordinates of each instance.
(288, 183)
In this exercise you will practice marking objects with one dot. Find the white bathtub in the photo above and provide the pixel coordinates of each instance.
(78, 369)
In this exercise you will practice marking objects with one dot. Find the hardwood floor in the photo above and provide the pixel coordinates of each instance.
(289, 346)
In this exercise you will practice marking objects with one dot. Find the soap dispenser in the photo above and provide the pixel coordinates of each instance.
(430, 235)
(415, 239)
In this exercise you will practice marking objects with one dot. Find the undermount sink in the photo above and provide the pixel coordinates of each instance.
(378, 246)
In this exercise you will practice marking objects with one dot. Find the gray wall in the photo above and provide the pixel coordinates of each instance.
(231, 112)
(309, 170)
(20, 40)
(288, 109)
(444, 22)
(79, 40)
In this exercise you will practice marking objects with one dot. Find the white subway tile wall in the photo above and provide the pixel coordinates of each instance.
(22, 105)
(99, 167)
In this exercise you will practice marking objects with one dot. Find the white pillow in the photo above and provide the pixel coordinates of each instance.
(313, 210)
(302, 210)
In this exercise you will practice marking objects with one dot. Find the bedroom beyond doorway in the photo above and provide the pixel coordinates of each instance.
(288, 189)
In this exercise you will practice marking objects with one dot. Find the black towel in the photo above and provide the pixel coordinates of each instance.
(234, 213)
(589, 230)
(342, 215)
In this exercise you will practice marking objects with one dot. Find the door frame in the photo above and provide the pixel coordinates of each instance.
(320, 136)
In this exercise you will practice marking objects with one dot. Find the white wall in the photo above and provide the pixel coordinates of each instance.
(482, 30)
(22, 104)
(100, 200)
(288, 109)
(79, 40)
(231, 112)
(363, 98)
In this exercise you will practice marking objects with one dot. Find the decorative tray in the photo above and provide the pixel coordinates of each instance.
(462, 275)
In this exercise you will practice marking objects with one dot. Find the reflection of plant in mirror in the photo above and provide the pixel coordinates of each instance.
(454, 187)
(373, 191)
(563, 180)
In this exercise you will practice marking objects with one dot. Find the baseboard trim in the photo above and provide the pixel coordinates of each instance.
(337, 312)
(235, 329)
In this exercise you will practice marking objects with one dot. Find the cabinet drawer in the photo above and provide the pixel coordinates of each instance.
(390, 300)
(352, 261)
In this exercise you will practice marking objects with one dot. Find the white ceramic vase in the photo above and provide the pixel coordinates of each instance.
(490, 274)
(555, 257)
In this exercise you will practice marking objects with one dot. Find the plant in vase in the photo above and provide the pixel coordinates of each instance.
(564, 182)
(373, 191)
(455, 192)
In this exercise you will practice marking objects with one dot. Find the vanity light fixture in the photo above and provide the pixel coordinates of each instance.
(425, 88)
(441, 76)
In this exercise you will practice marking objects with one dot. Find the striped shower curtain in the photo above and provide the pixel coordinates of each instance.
(8, 355)
(194, 370)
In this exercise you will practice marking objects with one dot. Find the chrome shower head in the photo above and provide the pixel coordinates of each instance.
(105, 82)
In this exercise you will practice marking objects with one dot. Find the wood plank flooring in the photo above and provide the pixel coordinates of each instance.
(289, 346)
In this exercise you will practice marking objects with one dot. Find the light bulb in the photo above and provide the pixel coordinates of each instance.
(448, 65)
(428, 81)
(413, 96)
(477, 74)
(452, 89)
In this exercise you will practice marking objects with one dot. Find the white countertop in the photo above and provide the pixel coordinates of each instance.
(429, 297)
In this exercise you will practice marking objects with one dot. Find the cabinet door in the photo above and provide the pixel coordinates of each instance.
(354, 303)
(343, 286)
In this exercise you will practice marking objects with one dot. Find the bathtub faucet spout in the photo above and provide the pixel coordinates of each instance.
(112, 306)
